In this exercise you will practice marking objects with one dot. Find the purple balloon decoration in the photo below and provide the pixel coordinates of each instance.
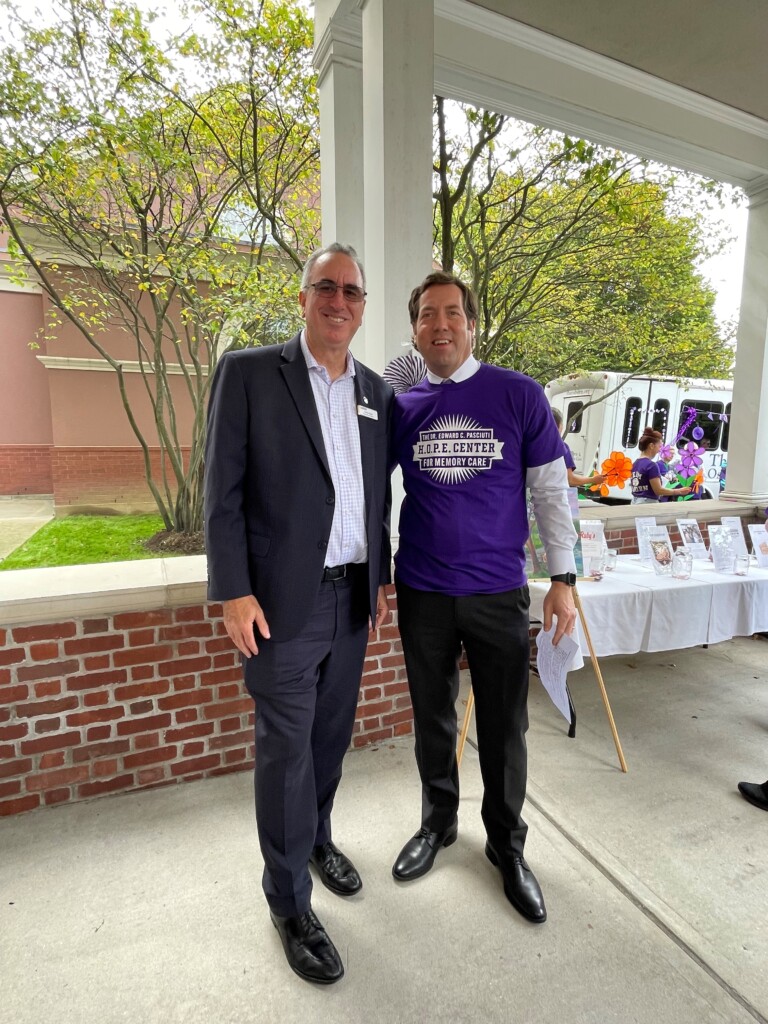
(698, 433)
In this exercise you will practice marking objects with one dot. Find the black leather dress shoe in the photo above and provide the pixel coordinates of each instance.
(418, 854)
(755, 793)
(520, 885)
(336, 871)
(309, 951)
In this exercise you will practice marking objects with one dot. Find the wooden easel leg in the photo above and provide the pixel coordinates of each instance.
(465, 726)
(600, 683)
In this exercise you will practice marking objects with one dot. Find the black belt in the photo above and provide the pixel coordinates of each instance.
(339, 572)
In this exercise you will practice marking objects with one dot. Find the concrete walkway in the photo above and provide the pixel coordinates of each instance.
(20, 518)
(148, 907)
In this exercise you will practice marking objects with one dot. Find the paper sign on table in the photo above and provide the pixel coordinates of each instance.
(661, 549)
(690, 534)
(759, 536)
(641, 527)
(721, 547)
(592, 533)
(552, 665)
(737, 533)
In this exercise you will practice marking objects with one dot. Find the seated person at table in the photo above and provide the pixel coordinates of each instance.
(573, 479)
(646, 474)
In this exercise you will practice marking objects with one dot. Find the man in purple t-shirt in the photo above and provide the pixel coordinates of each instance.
(470, 439)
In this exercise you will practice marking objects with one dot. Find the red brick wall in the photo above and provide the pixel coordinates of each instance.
(142, 699)
(25, 469)
(102, 476)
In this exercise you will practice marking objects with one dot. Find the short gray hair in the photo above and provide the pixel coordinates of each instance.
(334, 247)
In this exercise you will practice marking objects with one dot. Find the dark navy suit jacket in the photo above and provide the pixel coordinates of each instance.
(269, 497)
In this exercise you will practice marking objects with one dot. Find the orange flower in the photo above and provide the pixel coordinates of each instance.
(698, 480)
(617, 468)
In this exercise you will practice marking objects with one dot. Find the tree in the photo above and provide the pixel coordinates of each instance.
(573, 251)
(164, 188)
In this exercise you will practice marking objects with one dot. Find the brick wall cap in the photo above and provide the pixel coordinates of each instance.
(79, 591)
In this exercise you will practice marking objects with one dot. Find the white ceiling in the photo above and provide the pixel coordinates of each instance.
(717, 48)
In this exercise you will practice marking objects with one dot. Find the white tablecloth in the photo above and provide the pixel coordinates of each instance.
(633, 609)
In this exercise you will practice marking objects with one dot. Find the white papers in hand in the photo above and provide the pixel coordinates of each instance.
(552, 664)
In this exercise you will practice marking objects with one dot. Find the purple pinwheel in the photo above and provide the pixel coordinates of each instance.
(690, 458)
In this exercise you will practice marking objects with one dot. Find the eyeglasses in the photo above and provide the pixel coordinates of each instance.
(327, 289)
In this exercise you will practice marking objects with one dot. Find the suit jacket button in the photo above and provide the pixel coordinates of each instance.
(330, 500)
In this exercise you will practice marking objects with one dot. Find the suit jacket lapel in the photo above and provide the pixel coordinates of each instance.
(296, 375)
(367, 428)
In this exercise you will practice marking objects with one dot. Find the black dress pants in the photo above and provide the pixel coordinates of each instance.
(493, 629)
(306, 691)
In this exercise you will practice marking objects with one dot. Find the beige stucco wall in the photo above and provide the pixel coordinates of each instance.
(25, 415)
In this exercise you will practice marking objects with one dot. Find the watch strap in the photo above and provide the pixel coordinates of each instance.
(564, 577)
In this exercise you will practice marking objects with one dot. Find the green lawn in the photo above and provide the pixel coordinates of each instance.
(80, 540)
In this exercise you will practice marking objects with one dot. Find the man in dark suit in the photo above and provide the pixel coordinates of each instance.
(297, 537)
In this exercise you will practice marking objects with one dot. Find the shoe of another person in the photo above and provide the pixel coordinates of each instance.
(520, 885)
(309, 951)
(755, 793)
(336, 871)
(418, 854)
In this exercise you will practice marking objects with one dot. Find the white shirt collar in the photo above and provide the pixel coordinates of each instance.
(313, 364)
(468, 368)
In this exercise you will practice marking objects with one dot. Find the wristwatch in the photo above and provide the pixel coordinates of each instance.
(564, 577)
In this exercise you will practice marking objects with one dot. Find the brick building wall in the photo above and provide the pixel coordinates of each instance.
(25, 469)
(130, 700)
(104, 476)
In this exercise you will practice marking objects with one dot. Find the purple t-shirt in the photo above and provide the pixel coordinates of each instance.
(643, 471)
(568, 456)
(464, 450)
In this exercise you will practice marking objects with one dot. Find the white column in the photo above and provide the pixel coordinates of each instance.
(747, 473)
(338, 59)
(398, 85)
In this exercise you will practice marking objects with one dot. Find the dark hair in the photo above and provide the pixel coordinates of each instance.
(649, 437)
(441, 277)
(334, 247)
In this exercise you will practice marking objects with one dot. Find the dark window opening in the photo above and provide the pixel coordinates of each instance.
(726, 429)
(660, 420)
(631, 431)
(710, 427)
(573, 417)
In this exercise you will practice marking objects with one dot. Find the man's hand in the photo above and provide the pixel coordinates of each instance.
(559, 602)
(382, 610)
(240, 614)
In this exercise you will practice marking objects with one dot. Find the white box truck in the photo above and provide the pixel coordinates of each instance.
(626, 404)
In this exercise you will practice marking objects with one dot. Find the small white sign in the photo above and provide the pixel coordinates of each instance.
(721, 548)
(642, 526)
(733, 523)
(592, 533)
(690, 535)
(759, 535)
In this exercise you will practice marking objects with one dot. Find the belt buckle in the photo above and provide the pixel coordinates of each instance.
(332, 573)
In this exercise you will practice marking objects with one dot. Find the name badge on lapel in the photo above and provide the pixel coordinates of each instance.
(363, 410)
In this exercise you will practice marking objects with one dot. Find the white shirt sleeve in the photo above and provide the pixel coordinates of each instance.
(548, 485)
